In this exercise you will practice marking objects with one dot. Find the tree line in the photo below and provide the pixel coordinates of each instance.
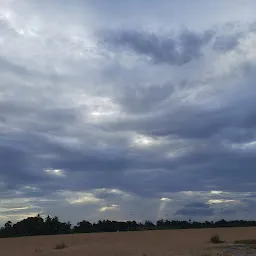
(34, 226)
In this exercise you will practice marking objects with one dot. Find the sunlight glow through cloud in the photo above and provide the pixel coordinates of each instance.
(221, 201)
(80, 197)
(218, 192)
(143, 141)
(162, 207)
(56, 172)
(109, 208)
(165, 199)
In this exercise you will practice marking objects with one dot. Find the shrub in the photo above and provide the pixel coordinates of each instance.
(60, 246)
(215, 239)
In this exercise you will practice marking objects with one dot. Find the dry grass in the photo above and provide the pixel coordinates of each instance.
(38, 250)
(205, 252)
(60, 246)
(246, 242)
(147, 243)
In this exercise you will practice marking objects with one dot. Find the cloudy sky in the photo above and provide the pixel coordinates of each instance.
(139, 109)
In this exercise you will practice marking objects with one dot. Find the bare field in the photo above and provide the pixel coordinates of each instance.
(144, 243)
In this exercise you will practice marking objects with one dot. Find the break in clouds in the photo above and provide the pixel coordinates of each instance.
(127, 110)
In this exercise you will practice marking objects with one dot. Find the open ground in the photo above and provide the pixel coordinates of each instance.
(145, 243)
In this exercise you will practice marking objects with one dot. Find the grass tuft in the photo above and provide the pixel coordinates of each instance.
(60, 246)
(215, 239)
(248, 241)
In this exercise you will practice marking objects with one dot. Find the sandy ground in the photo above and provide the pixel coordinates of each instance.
(145, 243)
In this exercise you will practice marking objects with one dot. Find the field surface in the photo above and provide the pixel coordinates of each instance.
(145, 243)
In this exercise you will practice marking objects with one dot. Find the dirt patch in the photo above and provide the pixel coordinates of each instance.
(145, 243)
(237, 250)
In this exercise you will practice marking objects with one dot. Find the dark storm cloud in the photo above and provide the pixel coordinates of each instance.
(253, 27)
(234, 119)
(94, 168)
(13, 162)
(83, 173)
(226, 43)
(7, 66)
(19, 167)
(195, 209)
(144, 99)
(71, 119)
(7, 28)
(174, 50)
(2, 119)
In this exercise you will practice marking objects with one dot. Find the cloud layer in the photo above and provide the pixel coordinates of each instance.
(127, 118)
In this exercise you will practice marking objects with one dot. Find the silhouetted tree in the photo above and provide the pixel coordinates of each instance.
(83, 227)
(33, 226)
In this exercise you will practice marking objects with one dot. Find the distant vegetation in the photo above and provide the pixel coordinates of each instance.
(34, 226)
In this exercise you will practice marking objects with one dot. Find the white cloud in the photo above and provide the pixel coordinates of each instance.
(222, 201)
(109, 208)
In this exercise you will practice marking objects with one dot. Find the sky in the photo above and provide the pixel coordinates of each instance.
(121, 110)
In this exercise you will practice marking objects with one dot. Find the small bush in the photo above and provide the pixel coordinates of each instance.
(215, 239)
(60, 246)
